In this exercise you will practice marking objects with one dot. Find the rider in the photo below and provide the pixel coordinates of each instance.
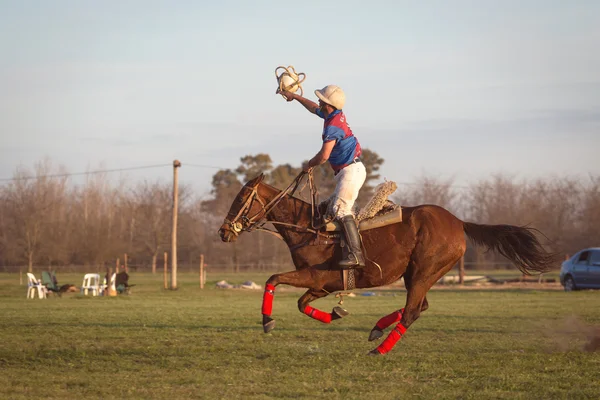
(342, 150)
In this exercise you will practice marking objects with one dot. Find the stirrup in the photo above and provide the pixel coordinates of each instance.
(350, 262)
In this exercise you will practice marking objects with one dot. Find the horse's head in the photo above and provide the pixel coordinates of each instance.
(244, 211)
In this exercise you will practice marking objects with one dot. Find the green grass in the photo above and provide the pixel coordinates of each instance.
(507, 344)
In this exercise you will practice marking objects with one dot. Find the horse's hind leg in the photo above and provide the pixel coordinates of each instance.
(420, 282)
(312, 295)
(388, 320)
(384, 322)
(301, 278)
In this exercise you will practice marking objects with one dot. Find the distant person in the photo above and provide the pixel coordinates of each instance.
(122, 281)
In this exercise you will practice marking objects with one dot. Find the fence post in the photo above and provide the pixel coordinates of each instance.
(125, 259)
(202, 276)
(165, 272)
(461, 270)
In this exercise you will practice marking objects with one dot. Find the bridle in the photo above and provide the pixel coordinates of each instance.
(243, 222)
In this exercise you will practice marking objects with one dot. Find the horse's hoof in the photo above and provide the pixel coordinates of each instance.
(374, 352)
(269, 326)
(375, 334)
(338, 312)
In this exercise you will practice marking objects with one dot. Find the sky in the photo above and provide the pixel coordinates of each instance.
(453, 89)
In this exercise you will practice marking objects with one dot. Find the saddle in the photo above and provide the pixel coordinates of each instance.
(378, 212)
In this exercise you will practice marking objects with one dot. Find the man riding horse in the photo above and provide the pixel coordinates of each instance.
(342, 149)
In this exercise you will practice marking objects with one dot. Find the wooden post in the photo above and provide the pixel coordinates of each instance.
(125, 258)
(117, 266)
(176, 165)
(165, 272)
(202, 277)
(461, 270)
(108, 275)
(20, 276)
(236, 266)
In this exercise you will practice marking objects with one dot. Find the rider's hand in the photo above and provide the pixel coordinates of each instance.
(289, 96)
(306, 167)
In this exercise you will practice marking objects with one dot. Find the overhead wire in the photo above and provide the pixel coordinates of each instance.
(183, 164)
(24, 178)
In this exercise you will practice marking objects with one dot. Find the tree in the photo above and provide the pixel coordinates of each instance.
(30, 202)
(253, 166)
(153, 215)
(428, 190)
(225, 186)
(282, 175)
(56, 231)
(590, 214)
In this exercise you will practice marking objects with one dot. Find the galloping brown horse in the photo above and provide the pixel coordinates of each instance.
(422, 248)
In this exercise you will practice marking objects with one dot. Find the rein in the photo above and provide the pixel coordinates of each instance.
(241, 222)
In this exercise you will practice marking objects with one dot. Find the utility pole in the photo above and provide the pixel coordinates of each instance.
(176, 165)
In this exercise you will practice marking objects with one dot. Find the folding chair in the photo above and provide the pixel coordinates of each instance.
(34, 285)
(50, 283)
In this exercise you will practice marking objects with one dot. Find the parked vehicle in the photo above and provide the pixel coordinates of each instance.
(582, 271)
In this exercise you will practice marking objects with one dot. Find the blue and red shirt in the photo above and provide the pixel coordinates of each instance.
(346, 147)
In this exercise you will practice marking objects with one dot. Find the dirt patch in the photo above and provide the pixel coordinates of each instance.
(572, 334)
(593, 343)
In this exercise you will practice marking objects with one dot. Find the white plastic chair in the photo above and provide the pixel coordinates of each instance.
(91, 283)
(32, 285)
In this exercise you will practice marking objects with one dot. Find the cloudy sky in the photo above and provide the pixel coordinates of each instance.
(458, 89)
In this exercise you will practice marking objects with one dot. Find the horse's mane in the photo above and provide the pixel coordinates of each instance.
(290, 195)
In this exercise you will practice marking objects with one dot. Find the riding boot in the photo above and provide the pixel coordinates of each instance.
(353, 257)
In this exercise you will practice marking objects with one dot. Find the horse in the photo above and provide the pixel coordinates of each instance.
(421, 248)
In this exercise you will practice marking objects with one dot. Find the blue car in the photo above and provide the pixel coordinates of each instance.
(582, 271)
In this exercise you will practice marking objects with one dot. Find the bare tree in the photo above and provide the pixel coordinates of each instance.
(153, 215)
(30, 200)
(428, 190)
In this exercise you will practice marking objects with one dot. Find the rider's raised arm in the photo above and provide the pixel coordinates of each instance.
(311, 106)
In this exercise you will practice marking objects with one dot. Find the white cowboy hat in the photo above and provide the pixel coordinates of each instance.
(332, 95)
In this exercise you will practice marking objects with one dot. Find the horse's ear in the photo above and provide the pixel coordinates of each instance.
(257, 180)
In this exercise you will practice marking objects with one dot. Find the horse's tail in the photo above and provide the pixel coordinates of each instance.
(518, 244)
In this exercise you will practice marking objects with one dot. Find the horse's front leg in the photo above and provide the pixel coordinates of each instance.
(312, 295)
(307, 278)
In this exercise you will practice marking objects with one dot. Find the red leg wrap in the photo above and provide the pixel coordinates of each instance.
(392, 339)
(317, 314)
(389, 319)
(267, 305)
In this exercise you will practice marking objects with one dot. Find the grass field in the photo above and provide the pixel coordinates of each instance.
(508, 344)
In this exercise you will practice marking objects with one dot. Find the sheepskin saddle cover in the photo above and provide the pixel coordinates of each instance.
(378, 205)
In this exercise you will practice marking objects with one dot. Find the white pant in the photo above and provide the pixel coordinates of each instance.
(348, 183)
